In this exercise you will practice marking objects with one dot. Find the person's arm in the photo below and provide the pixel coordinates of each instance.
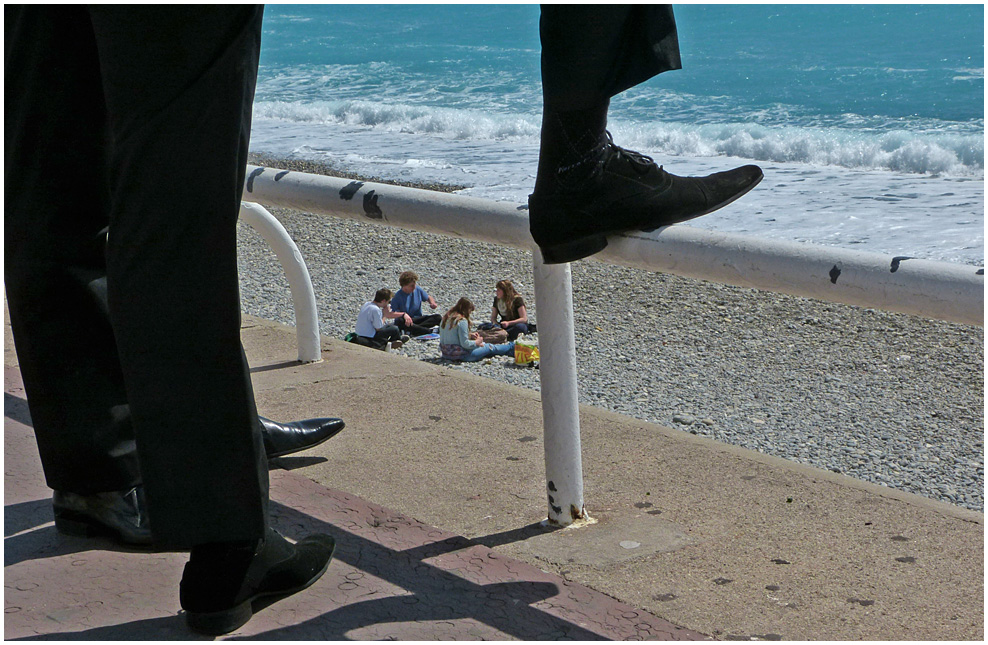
(494, 315)
(396, 309)
(391, 315)
(522, 318)
(463, 332)
(426, 297)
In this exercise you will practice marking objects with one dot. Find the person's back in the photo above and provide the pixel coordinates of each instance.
(454, 338)
(369, 320)
(453, 331)
(371, 329)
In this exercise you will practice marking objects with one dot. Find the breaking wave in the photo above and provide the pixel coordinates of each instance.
(929, 152)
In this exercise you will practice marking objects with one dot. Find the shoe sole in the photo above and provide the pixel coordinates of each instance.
(217, 623)
(292, 451)
(80, 525)
(575, 249)
(585, 246)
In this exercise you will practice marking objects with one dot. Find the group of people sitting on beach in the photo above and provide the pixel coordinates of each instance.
(391, 319)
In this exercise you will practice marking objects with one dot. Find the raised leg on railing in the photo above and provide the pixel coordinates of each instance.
(560, 400)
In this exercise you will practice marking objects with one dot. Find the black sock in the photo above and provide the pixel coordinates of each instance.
(573, 145)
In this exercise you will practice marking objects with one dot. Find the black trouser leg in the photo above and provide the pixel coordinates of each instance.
(177, 88)
(56, 213)
(516, 330)
(429, 320)
(593, 52)
(420, 324)
(180, 152)
(589, 54)
(387, 334)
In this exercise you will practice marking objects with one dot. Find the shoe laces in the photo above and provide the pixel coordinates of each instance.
(641, 163)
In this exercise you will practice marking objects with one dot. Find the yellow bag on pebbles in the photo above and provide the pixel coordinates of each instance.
(526, 352)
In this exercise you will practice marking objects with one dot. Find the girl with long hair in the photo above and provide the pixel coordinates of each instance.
(510, 308)
(458, 343)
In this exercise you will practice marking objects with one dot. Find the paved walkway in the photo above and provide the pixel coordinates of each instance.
(435, 492)
(392, 577)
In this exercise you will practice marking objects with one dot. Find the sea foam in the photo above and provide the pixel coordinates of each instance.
(934, 153)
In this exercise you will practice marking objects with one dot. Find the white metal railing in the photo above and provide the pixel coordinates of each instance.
(299, 282)
(920, 287)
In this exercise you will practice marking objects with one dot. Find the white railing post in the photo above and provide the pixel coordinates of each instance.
(560, 398)
(299, 282)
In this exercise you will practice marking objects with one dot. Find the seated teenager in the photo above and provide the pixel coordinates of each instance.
(409, 300)
(510, 308)
(371, 329)
(458, 343)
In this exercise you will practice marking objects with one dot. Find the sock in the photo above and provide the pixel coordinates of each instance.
(572, 148)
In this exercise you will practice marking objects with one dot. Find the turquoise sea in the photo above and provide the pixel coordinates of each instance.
(868, 119)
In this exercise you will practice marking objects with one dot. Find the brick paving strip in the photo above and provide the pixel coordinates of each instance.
(392, 577)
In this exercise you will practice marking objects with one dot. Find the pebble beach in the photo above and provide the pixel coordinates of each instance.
(888, 398)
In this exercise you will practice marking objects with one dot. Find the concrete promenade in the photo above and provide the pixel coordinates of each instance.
(435, 492)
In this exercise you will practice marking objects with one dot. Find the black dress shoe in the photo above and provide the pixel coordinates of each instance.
(119, 515)
(221, 582)
(628, 192)
(282, 439)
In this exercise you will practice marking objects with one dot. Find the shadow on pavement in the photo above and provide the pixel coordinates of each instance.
(166, 628)
(14, 407)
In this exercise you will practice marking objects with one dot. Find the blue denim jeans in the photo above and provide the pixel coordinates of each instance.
(486, 350)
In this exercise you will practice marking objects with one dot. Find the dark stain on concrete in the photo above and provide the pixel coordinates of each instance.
(348, 191)
(834, 274)
(863, 603)
(250, 178)
(896, 260)
(371, 209)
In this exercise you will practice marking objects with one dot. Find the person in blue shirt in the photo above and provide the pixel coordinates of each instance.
(409, 299)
